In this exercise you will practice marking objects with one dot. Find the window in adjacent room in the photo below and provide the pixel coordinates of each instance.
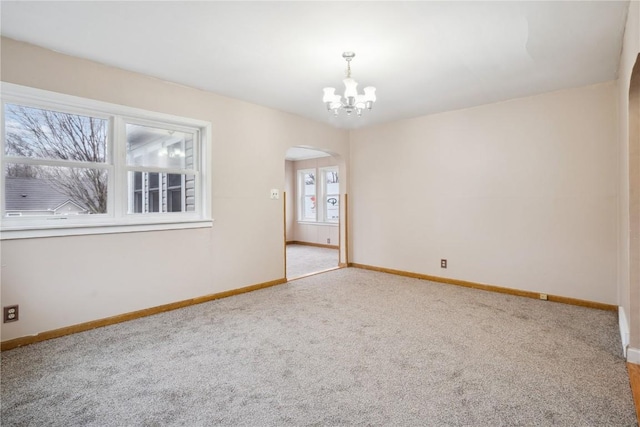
(318, 195)
(308, 199)
(331, 196)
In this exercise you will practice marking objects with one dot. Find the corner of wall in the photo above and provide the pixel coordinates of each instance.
(624, 330)
(633, 355)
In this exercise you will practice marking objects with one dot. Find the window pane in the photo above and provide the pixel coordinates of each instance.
(331, 179)
(174, 200)
(154, 201)
(174, 180)
(137, 202)
(45, 134)
(309, 184)
(53, 190)
(156, 147)
(332, 208)
(153, 180)
(309, 208)
(137, 183)
(161, 192)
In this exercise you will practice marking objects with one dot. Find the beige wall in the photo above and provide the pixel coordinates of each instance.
(69, 280)
(628, 290)
(520, 194)
(289, 187)
(311, 233)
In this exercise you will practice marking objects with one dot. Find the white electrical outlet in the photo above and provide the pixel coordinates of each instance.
(543, 297)
(275, 193)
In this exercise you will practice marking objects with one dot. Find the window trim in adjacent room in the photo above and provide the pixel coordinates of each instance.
(117, 219)
(301, 173)
(320, 195)
(325, 193)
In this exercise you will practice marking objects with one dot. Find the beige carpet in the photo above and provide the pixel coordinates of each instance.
(348, 347)
(303, 259)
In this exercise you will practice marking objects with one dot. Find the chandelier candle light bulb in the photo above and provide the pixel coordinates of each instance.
(353, 101)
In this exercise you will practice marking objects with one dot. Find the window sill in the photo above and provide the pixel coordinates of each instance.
(82, 230)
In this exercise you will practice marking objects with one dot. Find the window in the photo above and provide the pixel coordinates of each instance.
(72, 163)
(319, 195)
(331, 194)
(51, 158)
(169, 188)
(307, 181)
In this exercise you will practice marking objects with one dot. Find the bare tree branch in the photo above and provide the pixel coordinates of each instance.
(44, 134)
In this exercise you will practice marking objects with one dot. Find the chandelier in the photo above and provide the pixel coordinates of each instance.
(353, 101)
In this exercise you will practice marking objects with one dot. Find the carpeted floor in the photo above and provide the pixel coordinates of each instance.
(348, 347)
(303, 259)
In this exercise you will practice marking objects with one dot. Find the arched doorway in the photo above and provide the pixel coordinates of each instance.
(313, 217)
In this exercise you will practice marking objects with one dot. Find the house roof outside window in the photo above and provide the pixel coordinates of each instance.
(35, 196)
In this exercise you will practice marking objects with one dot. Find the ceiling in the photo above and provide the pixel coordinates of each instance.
(301, 153)
(423, 57)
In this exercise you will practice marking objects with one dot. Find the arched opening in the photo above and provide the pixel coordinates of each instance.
(314, 212)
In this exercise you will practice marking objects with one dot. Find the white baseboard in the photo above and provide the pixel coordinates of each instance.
(624, 330)
(633, 355)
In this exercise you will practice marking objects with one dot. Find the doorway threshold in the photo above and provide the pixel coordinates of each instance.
(314, 273)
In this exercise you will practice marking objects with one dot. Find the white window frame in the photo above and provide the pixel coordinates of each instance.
(321, 193)
(302, 195)
(117, 219)
(197, 153)
(325, 194)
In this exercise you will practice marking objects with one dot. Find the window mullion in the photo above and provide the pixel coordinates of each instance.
(2, 159)
(321, 189)
(119, 181)
(161, 170)
(55, 162)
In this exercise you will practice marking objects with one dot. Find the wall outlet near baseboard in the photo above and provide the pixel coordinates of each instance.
(443, 263)
(544, 297)
(10, 313)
